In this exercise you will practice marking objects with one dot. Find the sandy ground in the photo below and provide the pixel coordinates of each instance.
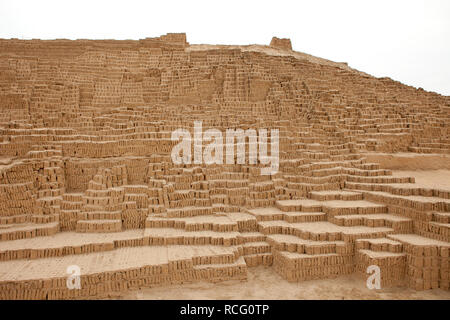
(410, 161)
(438, 179)
(264, 283)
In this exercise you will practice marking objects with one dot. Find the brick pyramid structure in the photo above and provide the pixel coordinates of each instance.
(87, 179)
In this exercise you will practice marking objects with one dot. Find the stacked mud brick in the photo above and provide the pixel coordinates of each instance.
(387, 255)
(86, 174)
(284, 44)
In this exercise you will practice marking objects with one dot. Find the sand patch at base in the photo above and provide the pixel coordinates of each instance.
(264, 283)
(409, 161)
(436, 179)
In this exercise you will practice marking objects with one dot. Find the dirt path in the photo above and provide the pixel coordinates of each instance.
(264, 283)
(439, 179)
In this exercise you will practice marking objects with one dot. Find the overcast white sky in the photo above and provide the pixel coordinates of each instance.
(406, 40)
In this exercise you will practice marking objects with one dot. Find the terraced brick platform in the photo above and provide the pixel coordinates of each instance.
(87, 178)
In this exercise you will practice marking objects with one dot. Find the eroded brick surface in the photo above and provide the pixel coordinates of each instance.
(86, 176)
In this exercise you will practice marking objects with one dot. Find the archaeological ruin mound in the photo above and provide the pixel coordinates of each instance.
(89, 187)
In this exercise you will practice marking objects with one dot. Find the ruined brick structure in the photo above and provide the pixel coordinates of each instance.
(86, 176)
(281, 43)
